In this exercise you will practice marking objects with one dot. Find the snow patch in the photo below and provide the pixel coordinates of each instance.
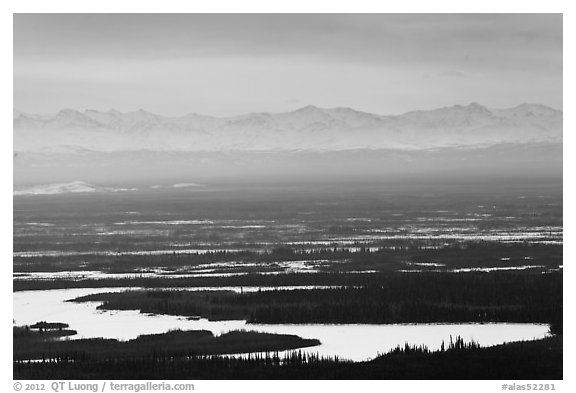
(56, 188)
(65, 188)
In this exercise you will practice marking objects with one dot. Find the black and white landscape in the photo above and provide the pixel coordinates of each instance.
(370, 196)
(327, 143)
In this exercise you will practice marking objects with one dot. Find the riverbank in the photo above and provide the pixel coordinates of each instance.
(537, 360)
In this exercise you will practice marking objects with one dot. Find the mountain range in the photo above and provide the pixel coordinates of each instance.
(306, 129)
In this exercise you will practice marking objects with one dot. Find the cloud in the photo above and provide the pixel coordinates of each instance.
(225, 64)
(359, 38)
(454, 74)
(293, 101)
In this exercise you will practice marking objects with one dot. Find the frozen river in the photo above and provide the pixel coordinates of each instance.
(349, 341)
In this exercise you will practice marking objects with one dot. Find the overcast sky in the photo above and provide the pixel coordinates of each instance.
(232, 64)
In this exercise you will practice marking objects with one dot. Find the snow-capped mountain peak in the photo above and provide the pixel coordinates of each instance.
(474, 107)
(306, 128)
(528, 110)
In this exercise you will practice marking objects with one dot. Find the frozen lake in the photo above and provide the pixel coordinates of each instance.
(351, 341)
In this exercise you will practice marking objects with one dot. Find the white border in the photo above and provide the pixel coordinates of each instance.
(41, 6)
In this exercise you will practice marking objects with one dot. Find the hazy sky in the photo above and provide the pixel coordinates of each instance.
(227, 64)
